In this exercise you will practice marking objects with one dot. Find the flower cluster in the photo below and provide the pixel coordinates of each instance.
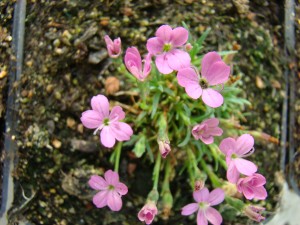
(170, 53)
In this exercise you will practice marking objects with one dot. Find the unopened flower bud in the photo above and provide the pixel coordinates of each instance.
(113, 46)
(199, 184)
(164, 147)
(188, 47)
(254, 212)
(148, 212)
(167, 203)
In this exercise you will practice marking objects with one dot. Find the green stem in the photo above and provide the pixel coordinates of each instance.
(212, 176)
(155, 176)
(118, 154)
(166, 183)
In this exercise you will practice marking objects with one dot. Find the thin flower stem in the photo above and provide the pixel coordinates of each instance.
(212, 176)
(156, 171)
(166, 183)
(118, 154)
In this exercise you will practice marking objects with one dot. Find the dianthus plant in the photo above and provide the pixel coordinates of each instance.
(182, 113)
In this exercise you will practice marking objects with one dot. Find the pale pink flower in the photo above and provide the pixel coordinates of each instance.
(235, 151)
(164, 147)
(204, 201)
(165, 46)
(99, 118)
(110, 190)
(133, 62)
(254, 212)
(206, 130)
(113, 47)
(253, 187)
(213, 72)
(148, 212)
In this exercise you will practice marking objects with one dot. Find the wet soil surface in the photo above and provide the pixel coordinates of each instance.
(65, 63)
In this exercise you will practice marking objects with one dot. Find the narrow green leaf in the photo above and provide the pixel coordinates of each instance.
(155, 104)
(140, 147)
(186, 139)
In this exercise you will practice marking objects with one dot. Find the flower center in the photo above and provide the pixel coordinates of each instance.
(203, 205)
(106, 121)
(111, 187)
(203, 83)
(167, 47)
(234, 156)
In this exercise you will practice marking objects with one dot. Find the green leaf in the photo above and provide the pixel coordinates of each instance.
(140, 147)
(186, 139)
(222, 53)
(155, 104)
(203, 37)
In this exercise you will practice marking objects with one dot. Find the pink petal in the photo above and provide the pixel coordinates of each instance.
(117, 112)
(216, 196)
(245, 166)
(212, 122)
(215, 131)
(201, 195)
(114, 201)
(201, 219)
(147, 66)
(247, 192)
(232, 173)
(121, 131)
(100, 199)
(187, 77)
(260, 193)
(121, 188)
(155, 45)
(179, 36)
(133, 60)
(107, 137)
(227, 146)
(91, 119)
(212, 98)
(108, 41)
(194, 91)
(178, 59)
(162, 64)
(164, 32)
(189, 209)
(98, 183)
(207, 140)
(100, 104)
(258, 180)
(207, 61)
(218, 73)
(244, 144)
(111, 177)
(213, 216)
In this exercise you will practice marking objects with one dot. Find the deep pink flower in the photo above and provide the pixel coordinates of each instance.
(99, 118)
(213, 72)
(113, 47)
(234, 151)
(165, 46)
(110, 190)
(253, 187)
(206, 130)
(254, 212)
(164, 147)
(148, 212)
(133, 62)
(204, 201)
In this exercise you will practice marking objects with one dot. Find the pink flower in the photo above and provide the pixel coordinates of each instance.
(234, 151)
(206, 130)
(213, 72)
(148, 212)
(204, 201)
(99, 118)
(164, 147)
(113, 47)
(165, 47)
(253, 187)
(110, 190)
(253, 212)
(133, 62)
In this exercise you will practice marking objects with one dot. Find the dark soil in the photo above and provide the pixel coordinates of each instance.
(58, 82)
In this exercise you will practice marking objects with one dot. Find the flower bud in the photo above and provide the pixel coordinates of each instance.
(164, 147)
(199, 184)
(188, 47)
(148, 212)
(254, 212)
